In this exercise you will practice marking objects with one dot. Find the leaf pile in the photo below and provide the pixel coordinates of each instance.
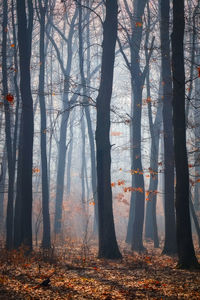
(70, 275)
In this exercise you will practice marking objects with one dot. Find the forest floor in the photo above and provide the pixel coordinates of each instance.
(76, 273)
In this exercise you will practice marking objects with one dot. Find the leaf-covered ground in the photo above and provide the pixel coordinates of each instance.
(76, 273)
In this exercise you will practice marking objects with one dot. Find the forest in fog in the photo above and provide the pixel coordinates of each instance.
(100, 135)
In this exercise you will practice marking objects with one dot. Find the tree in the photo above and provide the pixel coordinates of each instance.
(85, 84)
(136, 217)
(9, 219)
(151, 230)
(25, 25)
(64, 122)
(108, 247)
(46, 242)
(186, 254)
(170, 236)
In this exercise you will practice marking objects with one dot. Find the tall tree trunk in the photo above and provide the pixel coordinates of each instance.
(69, 157)
(197, 131)
(9, 147)
(18, 200)
(87, 111)
(137, 79)
(151, 230)
(25, 41)
(2, 190)
(108, 247)
(186, 254)
(46, 241)
(63, 133)
(170, 236)
(83, 162)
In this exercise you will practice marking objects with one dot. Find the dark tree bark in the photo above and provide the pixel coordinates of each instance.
(18, 200)
(25, 41)
(170, 236)
(108, 247)
(151, 230)
(197, 126)
(186, 254)
(2, 191)
(136, 217)
(137, 87)
(46, 241)
(195, 219)
(9, 144)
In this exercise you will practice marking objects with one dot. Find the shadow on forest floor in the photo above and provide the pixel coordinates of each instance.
(77, 275)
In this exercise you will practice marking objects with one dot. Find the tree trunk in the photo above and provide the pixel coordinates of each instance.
(137, 82)
(25, 40)
(170, 236)
(2, 190)
(108, 247)
(46, 241)
(186, 254)
(63, 133)
(9, 147)
(151, 230)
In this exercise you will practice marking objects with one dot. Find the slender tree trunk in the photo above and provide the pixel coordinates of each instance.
(9, 146)
(61, 163)
(63, 133)
(195, 219)
(46, 242)
(137, 82)
(2, 190)
(108, 247)
(25, 40)
(170, 237)
(83, 163)
(18, 200)
(151, 230)
(87, 111)
(69, 158)
(186, 254)
(197, 133)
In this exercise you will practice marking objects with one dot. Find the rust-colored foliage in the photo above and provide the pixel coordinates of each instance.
(69, 275)
(10, 98)
(138, 24)
(198, 71)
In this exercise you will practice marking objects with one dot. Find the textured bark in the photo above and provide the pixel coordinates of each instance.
(186, 254)
(108, 247)
(46, 241)
(170, 236)
(25, 41)
(9, 146)
(137, 86)
(2, 191)
(151, 231)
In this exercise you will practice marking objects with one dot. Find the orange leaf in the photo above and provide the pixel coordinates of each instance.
(149, 100)
(10, 98)
(198, 71)
(121, 182)
(138, 24)
(115, 133)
